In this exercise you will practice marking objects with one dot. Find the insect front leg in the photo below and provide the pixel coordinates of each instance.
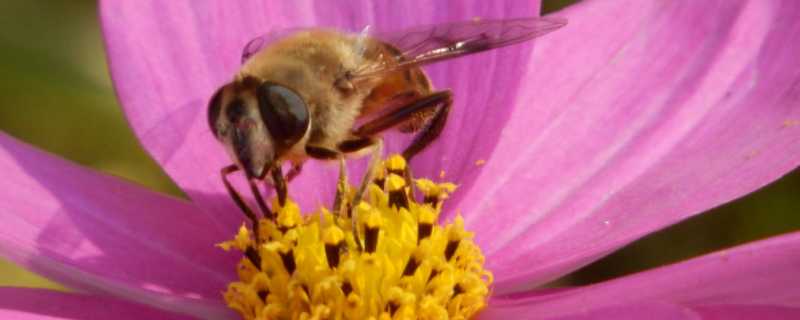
(280, 184)
(238, 200)
(295, 171)
(260, 200)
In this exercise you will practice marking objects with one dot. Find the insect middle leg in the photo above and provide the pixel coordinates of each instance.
(376, 142)
(280, 183)
(358, 144)
(260, 200)
(350, 146)
(341, 186)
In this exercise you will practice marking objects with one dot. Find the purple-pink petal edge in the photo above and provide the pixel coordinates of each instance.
(99, 234)
(40, 304)
(761, 274)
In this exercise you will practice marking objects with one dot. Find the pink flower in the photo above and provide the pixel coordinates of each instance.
(635, 116)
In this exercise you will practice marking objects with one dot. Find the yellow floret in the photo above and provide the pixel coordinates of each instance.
(415, 270)
(395, 162)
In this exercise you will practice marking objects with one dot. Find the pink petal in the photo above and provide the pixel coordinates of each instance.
(654, 311)
(747, 312)
(760, 274)
(629, 311)
(26, 303)
(168, 57)
(99, 234)
(639, 114)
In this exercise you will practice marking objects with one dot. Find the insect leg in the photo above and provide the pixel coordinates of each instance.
(438, 102)
(280, 183)
(365, 182)
(237, 198)
(429, 134)
(322, 153)
(260, 200)
(295, 171)
(443, 101)
(341, 186)
(358, 144)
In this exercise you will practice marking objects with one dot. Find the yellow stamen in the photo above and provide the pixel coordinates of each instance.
(395, 182)
(241, 241)
(396, 163)
(380, 174)
(333, 235)
(407, 267)
(435, 192)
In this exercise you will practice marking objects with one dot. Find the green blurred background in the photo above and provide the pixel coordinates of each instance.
(55, 93)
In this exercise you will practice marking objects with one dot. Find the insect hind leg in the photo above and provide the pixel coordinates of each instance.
(438, 103)
(442, 101)
(408, 116)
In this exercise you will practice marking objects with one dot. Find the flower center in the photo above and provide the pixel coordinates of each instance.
(407, 266)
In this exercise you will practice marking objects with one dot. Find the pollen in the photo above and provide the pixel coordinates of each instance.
(404, 266)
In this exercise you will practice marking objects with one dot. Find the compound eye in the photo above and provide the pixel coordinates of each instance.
(284, 113)
(214, 110)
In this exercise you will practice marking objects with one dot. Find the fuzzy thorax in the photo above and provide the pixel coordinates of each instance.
(406, 266)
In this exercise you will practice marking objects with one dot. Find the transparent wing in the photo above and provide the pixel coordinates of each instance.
(429, 44)
(263, 41)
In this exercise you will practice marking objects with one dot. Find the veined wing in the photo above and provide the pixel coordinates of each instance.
(424, 45)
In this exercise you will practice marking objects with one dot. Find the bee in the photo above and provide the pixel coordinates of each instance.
(300, 93)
